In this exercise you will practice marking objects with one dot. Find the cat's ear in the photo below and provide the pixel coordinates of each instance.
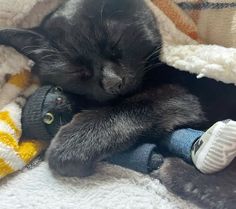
(28, 42)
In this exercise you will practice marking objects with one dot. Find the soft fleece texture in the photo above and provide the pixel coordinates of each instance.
(111, 187)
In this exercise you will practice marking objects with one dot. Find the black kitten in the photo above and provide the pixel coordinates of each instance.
(92, 47)
(102, 49)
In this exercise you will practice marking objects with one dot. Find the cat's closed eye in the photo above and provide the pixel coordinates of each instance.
(115, 54)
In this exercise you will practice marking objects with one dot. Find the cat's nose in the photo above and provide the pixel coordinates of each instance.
(111, 82)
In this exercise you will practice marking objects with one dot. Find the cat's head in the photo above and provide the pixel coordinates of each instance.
(97, 48)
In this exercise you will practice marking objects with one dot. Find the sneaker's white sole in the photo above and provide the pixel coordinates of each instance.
(219, 150)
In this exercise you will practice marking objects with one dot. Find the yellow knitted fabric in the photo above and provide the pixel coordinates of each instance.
(15, 153)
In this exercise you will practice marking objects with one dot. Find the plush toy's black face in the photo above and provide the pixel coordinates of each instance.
(58, 109)
(97, 48)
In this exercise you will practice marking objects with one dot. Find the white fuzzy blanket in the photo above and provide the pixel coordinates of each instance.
(112, 187)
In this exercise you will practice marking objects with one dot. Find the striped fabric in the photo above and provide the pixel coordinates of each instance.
(210, 22)
(201, 5)
(15, 153)
(16, 84)
(215, 20)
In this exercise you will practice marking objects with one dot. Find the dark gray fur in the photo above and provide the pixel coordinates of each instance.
(217, 191)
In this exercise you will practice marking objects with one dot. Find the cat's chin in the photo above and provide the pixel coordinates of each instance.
(101, 97)
(102, 100)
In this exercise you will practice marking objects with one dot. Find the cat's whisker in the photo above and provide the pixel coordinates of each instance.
(29, 47)
(55, 66)
(49, 56)
(155, 52)
(35, 47)
(102, 10)
(154, 65)
(150, 67)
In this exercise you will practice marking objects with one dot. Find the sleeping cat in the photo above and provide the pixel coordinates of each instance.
(107, 50)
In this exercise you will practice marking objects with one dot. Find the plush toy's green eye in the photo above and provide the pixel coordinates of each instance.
(48, 118)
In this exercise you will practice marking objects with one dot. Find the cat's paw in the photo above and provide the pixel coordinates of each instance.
(62, 162)
(72, 152)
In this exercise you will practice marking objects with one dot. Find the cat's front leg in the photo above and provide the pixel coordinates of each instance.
(94, 135)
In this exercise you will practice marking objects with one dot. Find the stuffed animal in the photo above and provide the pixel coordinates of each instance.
(46, 111)
(49, 108)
